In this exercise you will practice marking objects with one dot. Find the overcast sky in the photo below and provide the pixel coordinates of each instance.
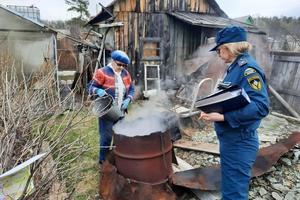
(239, 8)
(57, 9)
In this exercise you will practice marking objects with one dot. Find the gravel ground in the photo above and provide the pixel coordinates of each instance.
(283, 180)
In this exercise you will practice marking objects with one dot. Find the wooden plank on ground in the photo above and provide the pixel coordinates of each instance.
(203, 195)
(197, 146)
(267, 138)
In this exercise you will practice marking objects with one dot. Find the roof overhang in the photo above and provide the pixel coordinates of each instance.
(210, 21)
(105, 14)
(35, 26)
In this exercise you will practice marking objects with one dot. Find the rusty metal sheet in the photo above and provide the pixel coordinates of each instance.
(113, 186)
(268, 156)
(210, 178)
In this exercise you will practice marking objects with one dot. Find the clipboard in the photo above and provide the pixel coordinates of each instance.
(231, 98)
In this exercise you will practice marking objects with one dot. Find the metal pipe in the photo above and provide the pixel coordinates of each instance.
(56, 68)
(196, 90)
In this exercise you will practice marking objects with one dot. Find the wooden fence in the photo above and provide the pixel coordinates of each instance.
(285, 76)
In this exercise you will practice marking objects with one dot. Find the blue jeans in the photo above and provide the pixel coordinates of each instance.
(238, 152)
(105, 133)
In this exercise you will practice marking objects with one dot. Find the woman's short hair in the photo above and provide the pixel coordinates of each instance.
(237, 48)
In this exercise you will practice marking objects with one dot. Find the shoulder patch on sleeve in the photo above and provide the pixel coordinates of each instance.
(255, 82)
(242, 62)
(249, 71)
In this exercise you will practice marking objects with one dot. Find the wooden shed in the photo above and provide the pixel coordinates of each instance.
(160, 34)
(30, 43)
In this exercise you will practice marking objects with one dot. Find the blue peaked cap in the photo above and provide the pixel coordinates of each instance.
(120, 56)
(230, 34)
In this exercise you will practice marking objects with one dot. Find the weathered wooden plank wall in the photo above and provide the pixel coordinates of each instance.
(179, 39)
(67, 55)
(163, 5)
(148, 18)
(285, 76)
(137, 26)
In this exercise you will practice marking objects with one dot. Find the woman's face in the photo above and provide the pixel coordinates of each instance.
(118, 66)
(225, 54)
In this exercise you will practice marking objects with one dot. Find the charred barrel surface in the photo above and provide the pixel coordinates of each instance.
(146, 159)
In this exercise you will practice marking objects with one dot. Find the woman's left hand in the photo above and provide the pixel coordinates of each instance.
(212, 117)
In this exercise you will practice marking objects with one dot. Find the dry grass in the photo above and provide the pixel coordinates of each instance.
(30, 119)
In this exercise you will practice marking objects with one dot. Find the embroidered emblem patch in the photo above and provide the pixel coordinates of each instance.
(255, 82)
(249, 71)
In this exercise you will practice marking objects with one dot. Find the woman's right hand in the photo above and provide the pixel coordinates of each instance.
(212, 117)
(100, 92)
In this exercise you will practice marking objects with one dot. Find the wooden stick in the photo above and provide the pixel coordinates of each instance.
(289, 118)
(283, 102)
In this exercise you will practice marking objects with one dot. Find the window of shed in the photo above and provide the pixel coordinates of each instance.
(151, 49)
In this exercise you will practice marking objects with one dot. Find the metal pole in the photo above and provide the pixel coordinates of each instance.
(56, 69)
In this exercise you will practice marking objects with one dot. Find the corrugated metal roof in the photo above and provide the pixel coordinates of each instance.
(25, 18)
(31, 12)
(206, 20)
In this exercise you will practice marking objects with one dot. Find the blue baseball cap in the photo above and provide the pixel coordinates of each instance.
(230, 34)
(120, 56)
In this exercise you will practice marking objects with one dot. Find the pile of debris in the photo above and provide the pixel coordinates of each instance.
(282, 181)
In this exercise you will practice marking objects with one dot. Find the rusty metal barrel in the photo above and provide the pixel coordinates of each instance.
(146, 159)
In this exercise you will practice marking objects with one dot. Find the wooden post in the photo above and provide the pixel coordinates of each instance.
(283, 102)
(101, 49)
(289, 118)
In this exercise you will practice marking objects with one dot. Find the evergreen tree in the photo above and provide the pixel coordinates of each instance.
(285, 45)
(80, 7)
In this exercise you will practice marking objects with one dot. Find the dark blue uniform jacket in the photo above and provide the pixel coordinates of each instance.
(245, 72)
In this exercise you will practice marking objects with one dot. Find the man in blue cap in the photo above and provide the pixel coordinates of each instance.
(114, 80)
(237, 129)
